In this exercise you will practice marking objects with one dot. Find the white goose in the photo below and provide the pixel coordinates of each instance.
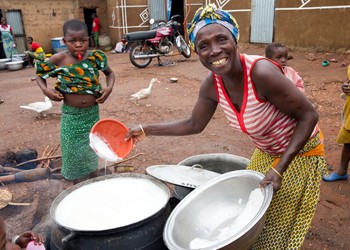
(144, 93)
(39, 107)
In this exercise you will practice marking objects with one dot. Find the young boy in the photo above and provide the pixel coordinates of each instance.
(278, 53)
(77, 73)
(35, 51)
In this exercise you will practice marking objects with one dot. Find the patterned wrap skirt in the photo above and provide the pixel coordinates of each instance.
(292, 208)
(78, 158)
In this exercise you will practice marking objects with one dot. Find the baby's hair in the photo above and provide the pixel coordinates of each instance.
(74, 25)
(271, 48)
(31, 38)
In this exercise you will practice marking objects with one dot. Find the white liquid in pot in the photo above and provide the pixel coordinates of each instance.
(110, 203)
(255, 201)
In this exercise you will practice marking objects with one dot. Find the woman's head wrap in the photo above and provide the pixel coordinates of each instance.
(208, 15)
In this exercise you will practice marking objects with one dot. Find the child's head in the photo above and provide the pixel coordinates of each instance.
(30, 39)
(74, 25)
(277, 52)
(76, 37)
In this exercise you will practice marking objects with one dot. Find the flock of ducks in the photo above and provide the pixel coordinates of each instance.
(42, 107)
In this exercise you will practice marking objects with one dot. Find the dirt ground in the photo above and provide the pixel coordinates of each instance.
(20, 129)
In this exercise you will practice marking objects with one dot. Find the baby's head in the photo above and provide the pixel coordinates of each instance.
(278, 53)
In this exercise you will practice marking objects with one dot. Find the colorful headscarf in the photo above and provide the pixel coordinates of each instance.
(208, 15)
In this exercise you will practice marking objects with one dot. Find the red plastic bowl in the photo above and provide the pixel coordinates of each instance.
(113, 131)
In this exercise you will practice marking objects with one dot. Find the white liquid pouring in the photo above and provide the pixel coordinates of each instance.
(102, 148)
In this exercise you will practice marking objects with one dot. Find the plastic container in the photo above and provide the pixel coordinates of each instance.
(112, 132)
(32, 246)
(58, 44)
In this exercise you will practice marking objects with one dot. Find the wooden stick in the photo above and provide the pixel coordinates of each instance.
(47, 163)
(45, 150)
(39, 159)
(127, 159)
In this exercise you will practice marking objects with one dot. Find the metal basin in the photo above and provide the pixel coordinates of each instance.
(216, 162)
(16, 65)
(210, 209)
(3, 61)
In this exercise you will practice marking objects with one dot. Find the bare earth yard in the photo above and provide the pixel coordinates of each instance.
(20, 129)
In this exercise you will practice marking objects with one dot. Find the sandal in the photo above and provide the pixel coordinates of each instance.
(335, 177)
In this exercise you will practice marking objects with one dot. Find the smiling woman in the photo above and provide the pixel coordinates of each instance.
(259, 100)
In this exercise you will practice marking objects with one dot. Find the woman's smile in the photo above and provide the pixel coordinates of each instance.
(219, 62)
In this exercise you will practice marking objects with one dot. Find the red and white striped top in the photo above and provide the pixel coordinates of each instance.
(268, 127)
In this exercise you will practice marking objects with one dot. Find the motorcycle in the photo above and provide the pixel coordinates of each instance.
(155, 43)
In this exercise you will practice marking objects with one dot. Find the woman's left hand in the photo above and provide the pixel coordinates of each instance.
(273, 178)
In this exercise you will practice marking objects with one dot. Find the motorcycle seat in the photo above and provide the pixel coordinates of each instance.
(140, 35)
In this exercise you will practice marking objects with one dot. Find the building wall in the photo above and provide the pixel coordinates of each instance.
(325, 28)
(44, 19)
(295, 25)
(321, 27)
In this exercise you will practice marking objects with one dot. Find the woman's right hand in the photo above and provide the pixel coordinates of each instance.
(136, 133)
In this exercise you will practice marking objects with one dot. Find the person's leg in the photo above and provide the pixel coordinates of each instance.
(96, 39)
(30, 60)
(344, 160)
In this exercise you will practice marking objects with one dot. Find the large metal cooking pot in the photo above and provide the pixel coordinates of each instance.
(143, 234)
(216, 162)
(214, 208)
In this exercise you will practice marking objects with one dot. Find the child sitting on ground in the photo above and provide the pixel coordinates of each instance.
(35, 51)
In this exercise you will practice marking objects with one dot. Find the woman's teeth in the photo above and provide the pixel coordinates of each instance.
(220, 62)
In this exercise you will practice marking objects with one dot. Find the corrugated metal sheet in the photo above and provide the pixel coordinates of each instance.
(158, 10)
(262, 21)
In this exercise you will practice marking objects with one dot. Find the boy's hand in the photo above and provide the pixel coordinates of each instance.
(105, 92)
(54, 95)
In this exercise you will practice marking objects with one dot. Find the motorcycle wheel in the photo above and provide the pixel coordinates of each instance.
(184, 48)
(140, 63)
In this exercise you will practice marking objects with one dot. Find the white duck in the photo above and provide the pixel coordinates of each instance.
(39, 107)
(144, 93)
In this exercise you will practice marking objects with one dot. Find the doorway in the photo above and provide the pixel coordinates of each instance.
(88, 20)
(177, 8)
(2, 53)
